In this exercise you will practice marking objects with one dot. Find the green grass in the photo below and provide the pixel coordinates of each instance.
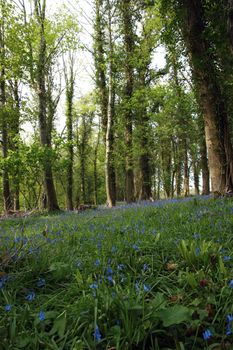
(148, 276)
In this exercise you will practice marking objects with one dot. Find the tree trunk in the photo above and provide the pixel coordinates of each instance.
(211, 100)
(110, 175)
(16, 145)
(186, 169)
(45, 138)
(5, 176)
(205, 169)
(69, 125)
(128, 113)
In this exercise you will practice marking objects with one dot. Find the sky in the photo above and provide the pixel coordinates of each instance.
(83, 9)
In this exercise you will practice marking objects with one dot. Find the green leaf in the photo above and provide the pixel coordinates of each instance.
(174, 315)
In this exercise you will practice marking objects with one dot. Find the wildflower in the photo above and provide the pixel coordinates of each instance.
(135, 247)
(226, 258)
(1, 284)
(97, 334)
(41, 316)
(41, 283)
(93, 286)
(229, 324)
(197, 251)
(145, 267)
(231, 284)
(196, 236)
(137, 286)
(8, 308)
(207, 334)
(31, 296)
(97, 262)
(109, 271)
(146, 288)
(109, 279)
(120, 267)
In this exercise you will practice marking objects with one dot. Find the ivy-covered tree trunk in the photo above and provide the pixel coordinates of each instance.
(45, 137)
(204, 168)
(69, 126)
(210, 96)
(110, 175)
(16, 144)
(128, 35)
(186, 169)
(3, 117)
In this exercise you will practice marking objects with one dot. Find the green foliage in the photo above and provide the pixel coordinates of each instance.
(120, 270)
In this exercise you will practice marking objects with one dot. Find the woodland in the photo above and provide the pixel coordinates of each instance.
(116, 174)
(141, 133)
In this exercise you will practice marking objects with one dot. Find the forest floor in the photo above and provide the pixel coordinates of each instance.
(148, 276)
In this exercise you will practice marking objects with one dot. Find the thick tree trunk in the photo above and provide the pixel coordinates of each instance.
(211, 100)
(186, 169)
(70, 147)
(110, 175)
(5, 176)
(16, 146)
(129, 75)
(205, 169)
(100, 66)
(45, 137)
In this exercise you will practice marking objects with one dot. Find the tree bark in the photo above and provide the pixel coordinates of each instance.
(205, 169)
(186, 169)
(5, 176)
(110, 176)
(128, 113)
(69, 125)
(211, 100)
(45, 137)
(16, 145)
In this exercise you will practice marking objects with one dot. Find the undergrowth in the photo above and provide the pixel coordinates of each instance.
(149, 276)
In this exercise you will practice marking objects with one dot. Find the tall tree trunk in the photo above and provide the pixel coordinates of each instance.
(95, 168)
(205, 168)
(69, 125)
(178, 170)
(211, 100)
(128, 113)
(16, 145)
(45, 138)
(110, 175)
(186, 169)
(100, 66)
(5, 176)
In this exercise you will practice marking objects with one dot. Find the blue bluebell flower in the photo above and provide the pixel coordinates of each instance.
(197, 251)
(1, 283)
(120, 266)
(93, 286)
(226, 258)
(41, 315)
(145, 267)
(229, 318)
(231, 284)
(146, 288)
(41, 282)
(109, 271)
(135, 247)
(8, 308)
(31, 296)
(97, 334)
(109, 279)
(207, 334)
(97, 262)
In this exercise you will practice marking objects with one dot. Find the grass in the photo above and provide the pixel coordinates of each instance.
(152, 276)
